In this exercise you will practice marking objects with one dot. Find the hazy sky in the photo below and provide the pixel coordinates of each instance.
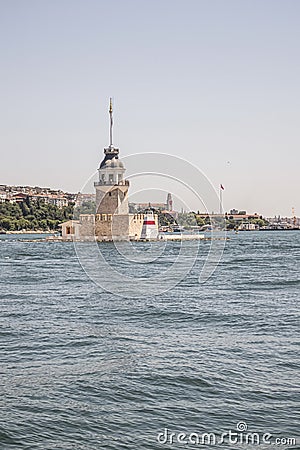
(213, 81)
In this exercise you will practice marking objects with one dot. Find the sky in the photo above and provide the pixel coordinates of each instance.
(211, 81)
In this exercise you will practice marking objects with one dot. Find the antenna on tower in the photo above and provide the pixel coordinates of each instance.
(111, 123)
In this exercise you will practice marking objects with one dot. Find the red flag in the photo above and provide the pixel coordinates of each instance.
(222, 187)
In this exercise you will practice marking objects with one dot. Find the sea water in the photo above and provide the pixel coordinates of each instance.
(82, 368)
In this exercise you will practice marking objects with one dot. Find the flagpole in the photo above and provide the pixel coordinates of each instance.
(221, 199)
(111, 123)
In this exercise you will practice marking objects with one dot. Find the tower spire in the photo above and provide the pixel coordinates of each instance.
(111, 123)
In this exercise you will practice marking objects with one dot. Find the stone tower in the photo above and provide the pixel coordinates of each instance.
(169, 202)
(111, 187)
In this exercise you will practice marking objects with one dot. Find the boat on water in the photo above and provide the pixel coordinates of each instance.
(279, 229)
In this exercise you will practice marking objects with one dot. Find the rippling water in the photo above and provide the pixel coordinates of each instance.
(84, 369)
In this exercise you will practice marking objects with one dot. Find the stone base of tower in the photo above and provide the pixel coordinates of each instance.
(108, 227)
(119, 227)
(111, 228)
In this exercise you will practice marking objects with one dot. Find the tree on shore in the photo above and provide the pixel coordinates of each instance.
(33, 215)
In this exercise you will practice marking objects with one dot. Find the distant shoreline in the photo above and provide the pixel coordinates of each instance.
(30, 232)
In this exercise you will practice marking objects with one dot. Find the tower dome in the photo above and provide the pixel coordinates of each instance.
(114, 162)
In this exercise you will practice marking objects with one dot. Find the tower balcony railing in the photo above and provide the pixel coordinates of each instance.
(108, 183)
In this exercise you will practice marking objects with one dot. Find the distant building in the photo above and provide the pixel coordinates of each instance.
(169, 202)
(246, 226)
(19, 194)
(56, 200)
(84, 198)
(152, 205)
(18, 198)
(168, 206)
